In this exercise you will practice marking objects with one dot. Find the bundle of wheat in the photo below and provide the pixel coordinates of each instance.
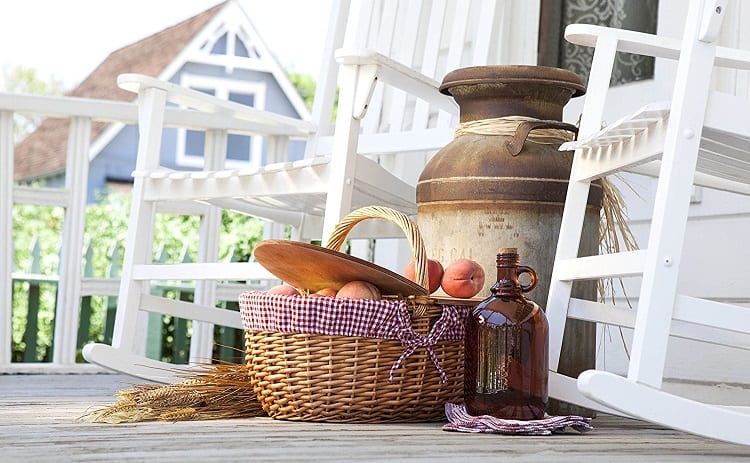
(215, 391)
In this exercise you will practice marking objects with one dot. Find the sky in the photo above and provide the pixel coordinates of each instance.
(67, 39)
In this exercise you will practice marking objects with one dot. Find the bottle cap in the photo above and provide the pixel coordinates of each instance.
(508, 250)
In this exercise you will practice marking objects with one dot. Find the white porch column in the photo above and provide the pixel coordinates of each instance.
(69, 289)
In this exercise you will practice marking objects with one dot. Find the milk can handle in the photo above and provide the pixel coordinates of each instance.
(514, 145)
(532, 275)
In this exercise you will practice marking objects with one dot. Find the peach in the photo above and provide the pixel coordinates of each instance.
(463, 278)
(434, 273)
(329, 292)
(359, 290)
(284, 289)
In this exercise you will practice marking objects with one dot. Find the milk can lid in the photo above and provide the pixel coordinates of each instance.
(544, 75)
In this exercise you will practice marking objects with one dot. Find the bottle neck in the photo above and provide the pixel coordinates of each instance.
(507, 276)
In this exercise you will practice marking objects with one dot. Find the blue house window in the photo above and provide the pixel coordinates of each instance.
(241, 50)
(220, 47)
(242, 150)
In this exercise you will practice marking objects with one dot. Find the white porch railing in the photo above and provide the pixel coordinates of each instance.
(71, 197)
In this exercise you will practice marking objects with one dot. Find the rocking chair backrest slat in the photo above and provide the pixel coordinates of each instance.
(430, 58)
(430, 36)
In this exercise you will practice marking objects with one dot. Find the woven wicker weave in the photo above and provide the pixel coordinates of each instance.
(315, 377)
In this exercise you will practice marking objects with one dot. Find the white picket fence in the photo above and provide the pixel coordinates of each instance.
(71, 197)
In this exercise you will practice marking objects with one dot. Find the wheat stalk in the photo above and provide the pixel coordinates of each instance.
(614, 233)
(178, 414)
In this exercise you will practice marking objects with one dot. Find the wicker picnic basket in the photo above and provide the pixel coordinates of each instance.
(309, 359)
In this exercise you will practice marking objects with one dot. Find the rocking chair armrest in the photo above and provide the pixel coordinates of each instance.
(400, 76)
(641, 43)
(261, 121)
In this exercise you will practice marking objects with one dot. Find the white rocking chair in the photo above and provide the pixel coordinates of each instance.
(365, 161)
(701, 137)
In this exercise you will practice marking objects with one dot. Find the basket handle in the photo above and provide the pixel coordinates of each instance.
(342, 229)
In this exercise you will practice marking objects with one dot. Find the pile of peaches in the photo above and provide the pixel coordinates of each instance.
(462, 278)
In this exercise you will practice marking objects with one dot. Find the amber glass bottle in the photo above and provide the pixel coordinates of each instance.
(506, 348)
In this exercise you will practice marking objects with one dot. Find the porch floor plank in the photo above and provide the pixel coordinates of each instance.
(39, 422)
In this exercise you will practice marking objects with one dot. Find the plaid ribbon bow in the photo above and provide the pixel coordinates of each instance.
(450, 321)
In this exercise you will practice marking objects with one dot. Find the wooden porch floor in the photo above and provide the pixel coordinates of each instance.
(39, 423)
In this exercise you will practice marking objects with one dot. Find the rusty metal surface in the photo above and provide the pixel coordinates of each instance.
(480, 167)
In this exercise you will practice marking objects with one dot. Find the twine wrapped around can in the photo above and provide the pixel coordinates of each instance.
(507, 126)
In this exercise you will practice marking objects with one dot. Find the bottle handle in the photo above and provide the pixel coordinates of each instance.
(532, 275)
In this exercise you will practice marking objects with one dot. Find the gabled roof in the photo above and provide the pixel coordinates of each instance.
(43, 152)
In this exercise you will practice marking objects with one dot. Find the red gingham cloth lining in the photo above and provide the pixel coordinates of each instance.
(385, 319)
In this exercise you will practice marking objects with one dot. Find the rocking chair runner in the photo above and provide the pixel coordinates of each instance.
(701, 137)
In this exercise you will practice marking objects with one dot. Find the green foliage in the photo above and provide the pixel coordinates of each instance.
(37, 224)
(305, 85)
(20, 79)
(105, 230)
(40, 227)
(175, 238)
(239, 234)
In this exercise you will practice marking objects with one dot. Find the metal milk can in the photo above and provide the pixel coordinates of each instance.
(499, 186)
